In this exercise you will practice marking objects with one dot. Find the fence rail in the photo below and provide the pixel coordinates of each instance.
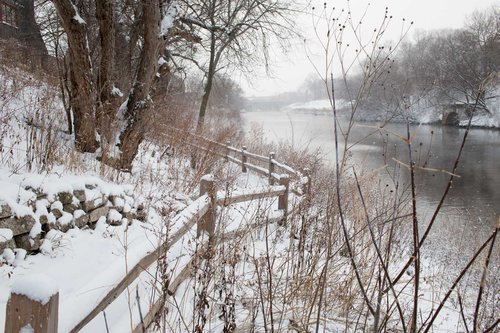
(241, 156)
(202, 212)
(202, 206)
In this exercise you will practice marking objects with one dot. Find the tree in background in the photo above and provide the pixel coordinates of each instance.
(477, 47)
(235, 33)
(227, 94)
(436, 68)
(451, 66)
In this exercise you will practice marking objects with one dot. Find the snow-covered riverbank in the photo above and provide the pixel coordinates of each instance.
(421, 116)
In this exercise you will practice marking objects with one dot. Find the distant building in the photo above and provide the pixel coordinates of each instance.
(8, 14)
(17, 23)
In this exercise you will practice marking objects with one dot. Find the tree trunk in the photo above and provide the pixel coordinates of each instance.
(63, 87)
(139, 102)
(215, 56)
(106, 109)
(208, 85)
(82, 99)
(204, 102)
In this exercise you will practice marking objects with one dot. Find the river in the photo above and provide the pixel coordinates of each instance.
(472, 207)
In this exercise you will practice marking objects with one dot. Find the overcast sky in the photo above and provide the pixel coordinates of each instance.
(289, 71)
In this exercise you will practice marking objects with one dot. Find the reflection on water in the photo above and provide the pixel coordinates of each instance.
(473, 204)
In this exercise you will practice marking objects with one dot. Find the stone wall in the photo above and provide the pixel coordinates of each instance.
(24, 227)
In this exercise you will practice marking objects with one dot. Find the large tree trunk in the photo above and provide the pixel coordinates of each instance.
(139, 102)
(106, 108)
(82, 99)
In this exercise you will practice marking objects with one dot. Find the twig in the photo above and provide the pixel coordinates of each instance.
(416, 237)
(483, 277)
(139, 307)
(425, 168)
(339, 206)
(379, 254)
(457, 280)
(105, 321)
(462, 313)
(443, 197)
(492, 327)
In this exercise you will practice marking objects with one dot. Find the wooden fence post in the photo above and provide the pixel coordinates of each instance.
(283, 199)
(243, 159)
(271, 168)
(24, 312)
(228, 143)
(207, 222)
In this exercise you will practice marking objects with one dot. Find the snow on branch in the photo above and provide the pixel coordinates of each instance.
(169, 13)
(77, 18)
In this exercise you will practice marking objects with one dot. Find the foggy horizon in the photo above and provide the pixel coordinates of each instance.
(288, 71)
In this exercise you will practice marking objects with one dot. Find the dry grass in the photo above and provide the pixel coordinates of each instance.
(31, 135)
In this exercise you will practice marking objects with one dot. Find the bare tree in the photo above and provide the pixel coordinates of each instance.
(55, 40)
(151, 22)
(236, 33)
(82, 88)
(451, 65)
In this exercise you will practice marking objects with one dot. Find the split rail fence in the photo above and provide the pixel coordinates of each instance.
(266, 166)
(22, 311)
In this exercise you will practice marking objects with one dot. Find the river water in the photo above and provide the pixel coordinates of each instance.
(472, 207)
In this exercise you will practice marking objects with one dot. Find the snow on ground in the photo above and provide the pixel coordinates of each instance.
(318, 105)
(83, 264)
(422, 114)
(482, 120)
(86, 264)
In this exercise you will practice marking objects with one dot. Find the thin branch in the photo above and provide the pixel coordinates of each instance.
(457, 280)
